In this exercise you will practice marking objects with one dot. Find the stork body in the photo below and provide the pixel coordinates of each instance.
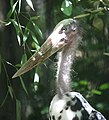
(65, 105)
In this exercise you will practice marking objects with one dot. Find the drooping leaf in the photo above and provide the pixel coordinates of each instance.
(106, 54)
(12, 9)
(104, 86)
(14, 6)
(82, 15)
(35, 43)
(19, 6)
(18, 110)
(34, 38)
(35, 18)
(18, 38)
(24, 58)
(26, 32)
(35, 46)
(37, 29)
(18, 65)
(23, 85)
(66, 7)
(10, 91)
(83, 82)
(29, 2)
(18, 30)
(7, 23)
(36, 81)
(25, 35)
(97, 92)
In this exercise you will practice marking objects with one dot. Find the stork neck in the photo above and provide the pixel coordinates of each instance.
(65, 60)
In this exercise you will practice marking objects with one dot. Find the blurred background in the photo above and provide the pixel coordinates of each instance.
(24, 26)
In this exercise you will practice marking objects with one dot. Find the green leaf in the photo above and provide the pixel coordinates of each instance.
(18, 110)
(25, 35)
(18, 65)
(10, 91)
(12, 9)
(18, 38)
(36, 77)
(106, 54)
(35, 18)
(82, 15)
(35, 46)
(23, 85)
(35, 43)
(36, 81)
(98, 23)
(19, 6)
(34, 38)
(66, 7)
(24, 58)
(29, 2)
(37, 29)
(104, 86)
(14, 6)
(18, 30)
(97, 92)
(83, 82)
(26, 32)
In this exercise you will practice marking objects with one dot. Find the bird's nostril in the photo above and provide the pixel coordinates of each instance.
(74, 28)
(62, 40)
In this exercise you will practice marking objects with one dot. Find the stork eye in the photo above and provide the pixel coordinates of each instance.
(74, 30)
(64, 28)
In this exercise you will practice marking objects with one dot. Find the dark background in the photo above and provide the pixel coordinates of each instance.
(90, 72)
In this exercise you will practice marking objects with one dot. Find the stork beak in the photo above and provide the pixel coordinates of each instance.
(55, 42)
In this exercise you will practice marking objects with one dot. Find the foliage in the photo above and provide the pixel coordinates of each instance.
(90, 69)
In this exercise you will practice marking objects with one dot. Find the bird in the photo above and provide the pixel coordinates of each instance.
(66, 104)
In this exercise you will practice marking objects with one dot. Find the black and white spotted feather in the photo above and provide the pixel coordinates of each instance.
(73, 106)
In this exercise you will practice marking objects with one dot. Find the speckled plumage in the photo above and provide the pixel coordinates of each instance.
(73, 106)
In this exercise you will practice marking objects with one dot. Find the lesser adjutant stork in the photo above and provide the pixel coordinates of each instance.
(66, 105)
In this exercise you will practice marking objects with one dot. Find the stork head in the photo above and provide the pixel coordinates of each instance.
(65, 32)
